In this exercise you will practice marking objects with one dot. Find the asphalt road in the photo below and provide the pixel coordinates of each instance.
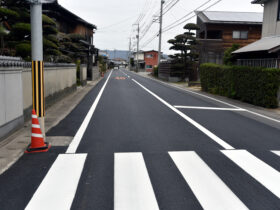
(141, 144)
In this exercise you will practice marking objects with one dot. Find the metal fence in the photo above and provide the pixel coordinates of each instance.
(267, 63)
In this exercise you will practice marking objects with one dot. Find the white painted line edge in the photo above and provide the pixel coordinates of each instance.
(78, 137)
(194, 123)
(208, 108)
(259, 170)
(59, 186)
(210, 190)
(276, 152)
(214, 99)
(132, 185)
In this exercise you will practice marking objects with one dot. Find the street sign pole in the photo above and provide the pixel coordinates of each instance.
(38, 96)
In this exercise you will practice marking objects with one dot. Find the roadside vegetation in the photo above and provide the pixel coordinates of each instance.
(185, 60)
(15, 35)
(258, 86)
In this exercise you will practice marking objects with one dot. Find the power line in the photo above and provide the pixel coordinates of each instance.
(208, 1)
(168, 29)
(116, 23)
(171, 25)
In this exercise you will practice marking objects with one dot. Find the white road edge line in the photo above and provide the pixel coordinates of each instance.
(59, 186)
(276, 152)
(259, 170)
(208, 108)
(209, 189)
(214, 99)
(194, 123)
(133, 188)
(77, 138)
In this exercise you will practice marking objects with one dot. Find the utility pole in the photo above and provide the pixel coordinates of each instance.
(129, 53)
(160, 31)
(137, 53)
(38, 96)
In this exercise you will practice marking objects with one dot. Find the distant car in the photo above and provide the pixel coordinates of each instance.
(116, 67)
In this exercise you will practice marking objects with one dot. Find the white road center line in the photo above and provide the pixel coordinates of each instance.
(194, 123)
(133, 189)
(208, 108)
(259, 170)
(77, 138)
(209, 189)
(58, 188)
(276, 152)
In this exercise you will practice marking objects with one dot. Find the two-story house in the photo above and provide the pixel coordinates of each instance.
(219, 30)
(151, 60)
(266, 51)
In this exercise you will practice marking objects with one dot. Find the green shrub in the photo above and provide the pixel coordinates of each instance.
(258, 86)
(155, 71)
(22, 28)
(47, 20)
(7, 12)
(23, 50)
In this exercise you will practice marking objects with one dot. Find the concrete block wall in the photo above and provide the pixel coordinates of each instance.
(11, 100)
(16, 92)
(58, 82)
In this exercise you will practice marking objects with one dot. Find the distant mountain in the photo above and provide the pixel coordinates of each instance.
(116, 54)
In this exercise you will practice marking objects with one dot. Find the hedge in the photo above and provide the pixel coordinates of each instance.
(258, 86)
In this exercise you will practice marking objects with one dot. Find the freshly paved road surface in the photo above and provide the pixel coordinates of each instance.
(141, 145)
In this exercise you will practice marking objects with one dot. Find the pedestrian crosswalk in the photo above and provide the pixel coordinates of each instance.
(135, 189)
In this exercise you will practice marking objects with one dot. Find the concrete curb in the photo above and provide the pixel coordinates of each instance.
(13, 147)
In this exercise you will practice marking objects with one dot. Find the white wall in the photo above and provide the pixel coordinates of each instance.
(16, 92)
(11, 99)
(271, 26)
(56, 79)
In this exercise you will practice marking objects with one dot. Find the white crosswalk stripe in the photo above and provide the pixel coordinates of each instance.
(133, 189)
(259, 170)
(209, 189)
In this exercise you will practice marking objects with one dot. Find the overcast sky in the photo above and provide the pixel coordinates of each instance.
(114, 18)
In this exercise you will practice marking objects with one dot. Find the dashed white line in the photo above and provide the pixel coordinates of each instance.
(259, 170)
(194, 123)
(209, 189)
(58, 188)
(77, 138)
(133, 188)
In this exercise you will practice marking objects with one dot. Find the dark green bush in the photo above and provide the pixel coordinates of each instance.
(155, 71)
(23, 50)
(258, 86)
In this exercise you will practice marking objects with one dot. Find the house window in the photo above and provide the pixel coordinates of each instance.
(149, 55)
(240, 34)
(243, 34)
(149, 66)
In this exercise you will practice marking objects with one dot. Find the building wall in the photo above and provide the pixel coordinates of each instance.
(212, 50)
(151, 61)
(140, 56)
(271, 26)
(254, 33)
(11, 103)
